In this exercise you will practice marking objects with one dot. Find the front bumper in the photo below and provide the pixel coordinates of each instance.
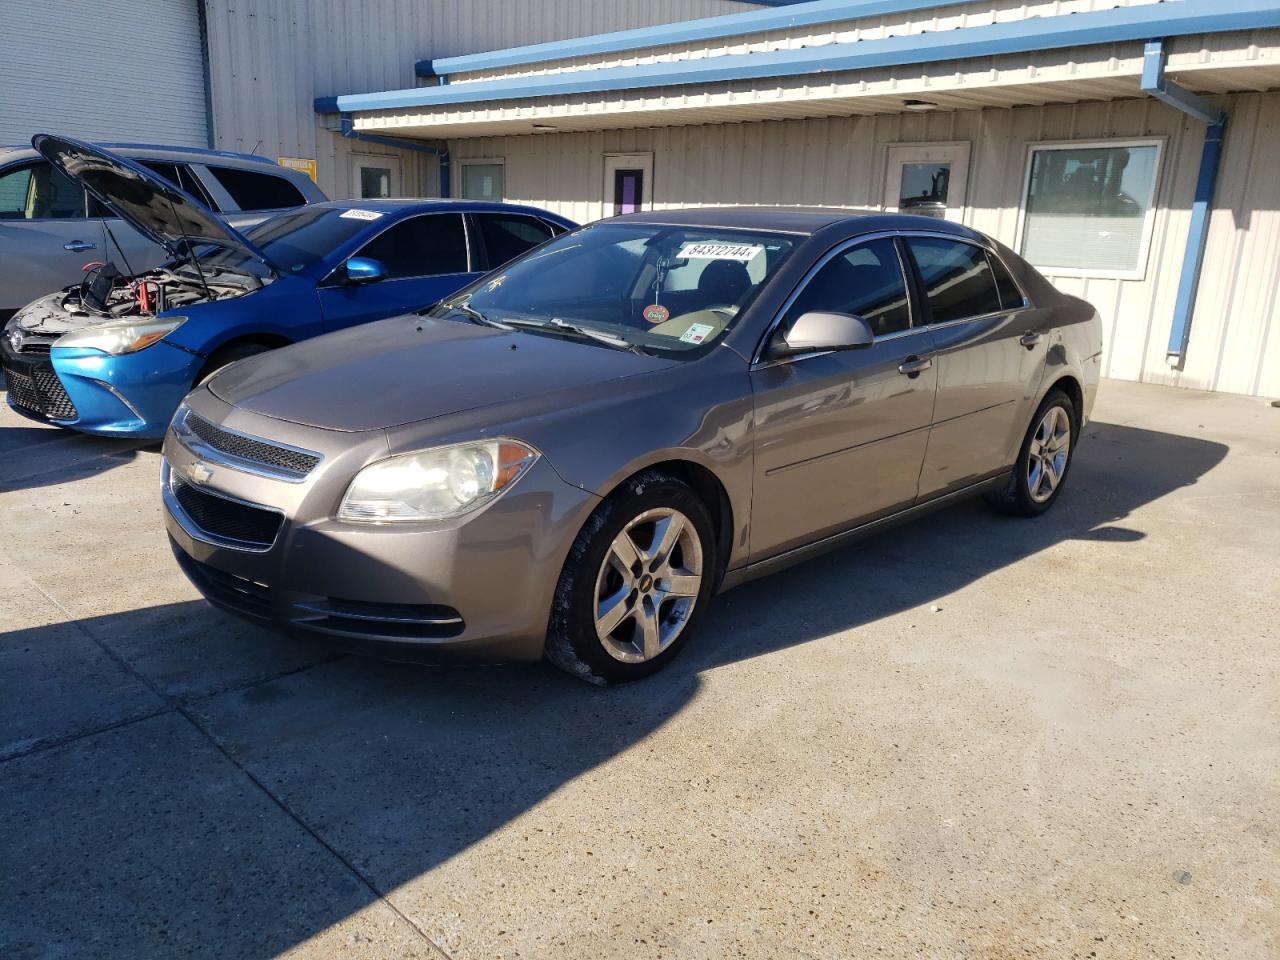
(133, 395)
(479, 588)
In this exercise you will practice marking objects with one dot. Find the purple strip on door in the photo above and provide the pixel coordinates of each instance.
(628, 191)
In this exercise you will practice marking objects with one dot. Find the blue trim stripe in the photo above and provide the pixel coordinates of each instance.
(689, 31)
(1171, 18)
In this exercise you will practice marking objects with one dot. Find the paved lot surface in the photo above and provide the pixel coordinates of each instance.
(974, 737)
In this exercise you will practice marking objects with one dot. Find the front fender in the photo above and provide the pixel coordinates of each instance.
(287, 308)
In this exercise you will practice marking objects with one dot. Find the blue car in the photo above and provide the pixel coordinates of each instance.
(115, 354)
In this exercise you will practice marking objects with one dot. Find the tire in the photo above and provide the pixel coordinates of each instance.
(655, 615)
(226, 355)
(1037, 482)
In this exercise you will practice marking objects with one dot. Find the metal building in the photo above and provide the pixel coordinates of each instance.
(119, 70)
(1124, 146)
(269, 59)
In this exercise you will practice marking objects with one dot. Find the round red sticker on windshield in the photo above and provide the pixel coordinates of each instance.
(656, 313)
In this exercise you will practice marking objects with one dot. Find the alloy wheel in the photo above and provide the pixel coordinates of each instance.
(648, 584)
(1047, 457)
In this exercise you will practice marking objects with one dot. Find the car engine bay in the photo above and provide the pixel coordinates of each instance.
(105, 294)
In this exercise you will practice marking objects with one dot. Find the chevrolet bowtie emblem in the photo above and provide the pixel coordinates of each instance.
(199, 472)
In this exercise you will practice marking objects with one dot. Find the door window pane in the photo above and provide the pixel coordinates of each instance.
(1010, 295)
(258, 191)
(628, 191)
(865, 281)
(180, 176)
(421, 246)
(507, 236)
(958, 281)
(375, 182)
(1087, 207)
(482, 181)
(924, 189)
(38, 191)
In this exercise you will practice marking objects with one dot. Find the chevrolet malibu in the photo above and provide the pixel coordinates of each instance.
(569, 456)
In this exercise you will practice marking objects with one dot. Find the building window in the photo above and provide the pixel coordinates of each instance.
(482, 180)
(1087, 208)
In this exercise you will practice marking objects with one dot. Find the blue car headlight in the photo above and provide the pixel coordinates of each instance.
(115, 337)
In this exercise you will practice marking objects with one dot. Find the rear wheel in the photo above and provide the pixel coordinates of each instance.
(637, 577)
(1043, 461)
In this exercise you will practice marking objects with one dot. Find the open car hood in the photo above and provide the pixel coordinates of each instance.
(150, 204)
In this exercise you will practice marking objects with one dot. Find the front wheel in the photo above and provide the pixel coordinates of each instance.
(1043, 461)
(637, 577)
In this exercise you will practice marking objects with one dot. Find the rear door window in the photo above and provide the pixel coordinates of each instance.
(1010, 296)
(506, 236)
(180, 175)
(425, 246)
(252, 190)
(39, 191)
(958, 282)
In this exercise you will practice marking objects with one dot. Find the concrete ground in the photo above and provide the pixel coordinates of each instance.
(973, 737)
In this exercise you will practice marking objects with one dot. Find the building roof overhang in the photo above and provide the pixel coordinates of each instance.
(1065, 58)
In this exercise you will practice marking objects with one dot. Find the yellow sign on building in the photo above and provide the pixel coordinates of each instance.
(298, 163)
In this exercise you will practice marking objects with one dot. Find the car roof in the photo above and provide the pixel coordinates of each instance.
(805, 220)
(156, 151)
(393, 205)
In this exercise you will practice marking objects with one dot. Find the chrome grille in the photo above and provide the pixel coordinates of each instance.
(296, 462)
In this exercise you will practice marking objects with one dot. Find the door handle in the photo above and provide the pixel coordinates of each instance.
(1030, 339)
(79, 246)
(913, 366)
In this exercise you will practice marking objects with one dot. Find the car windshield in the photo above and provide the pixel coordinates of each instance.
(292, 241)
(662, 288)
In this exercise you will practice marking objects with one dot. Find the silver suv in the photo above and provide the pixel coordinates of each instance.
(49, 230)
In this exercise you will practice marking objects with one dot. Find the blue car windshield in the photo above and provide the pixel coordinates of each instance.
(662, 288)
(292, 241)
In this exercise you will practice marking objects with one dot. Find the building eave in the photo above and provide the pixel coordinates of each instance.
(1169, 19)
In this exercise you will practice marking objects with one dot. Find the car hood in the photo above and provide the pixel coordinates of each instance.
(150, 204)
(407, 369)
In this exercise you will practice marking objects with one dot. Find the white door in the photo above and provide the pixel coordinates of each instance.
(929, 179)
(628, 183)
(375, 177)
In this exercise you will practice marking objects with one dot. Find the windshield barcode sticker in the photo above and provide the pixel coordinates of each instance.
(703, 250)
(360, 214)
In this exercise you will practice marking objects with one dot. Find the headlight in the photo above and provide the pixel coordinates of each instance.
(121, 336)
(436, 484)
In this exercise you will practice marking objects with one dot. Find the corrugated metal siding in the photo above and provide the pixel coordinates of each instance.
(1242, 60)
(840, 161)
(269, 60)
(1235, 334)
(109, 70)
(952, 17)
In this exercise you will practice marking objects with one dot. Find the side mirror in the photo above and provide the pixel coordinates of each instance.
(358, 270)
(818, 330)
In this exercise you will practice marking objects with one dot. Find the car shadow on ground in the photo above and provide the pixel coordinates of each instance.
(34, 454)
(399, 769)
